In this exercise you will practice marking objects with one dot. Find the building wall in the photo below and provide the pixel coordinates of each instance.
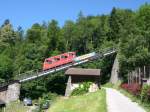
(75, 81)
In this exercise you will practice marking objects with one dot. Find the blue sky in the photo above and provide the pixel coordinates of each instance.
(27, 12)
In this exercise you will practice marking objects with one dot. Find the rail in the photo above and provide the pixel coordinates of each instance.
(35, 74)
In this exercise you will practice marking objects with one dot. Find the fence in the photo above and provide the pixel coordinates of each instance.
(139, 75)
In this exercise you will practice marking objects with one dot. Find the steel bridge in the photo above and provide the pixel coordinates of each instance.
(30, 75)
(35, 74)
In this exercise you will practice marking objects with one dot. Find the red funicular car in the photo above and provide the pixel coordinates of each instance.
(58, 60)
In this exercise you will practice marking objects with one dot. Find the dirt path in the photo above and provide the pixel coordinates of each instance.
(117, 102)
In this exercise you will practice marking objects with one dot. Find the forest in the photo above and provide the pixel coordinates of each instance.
(126, 30)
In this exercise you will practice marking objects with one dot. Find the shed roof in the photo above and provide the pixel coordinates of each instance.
(81, 71)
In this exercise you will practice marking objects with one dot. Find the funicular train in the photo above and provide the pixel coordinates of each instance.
(66, 58)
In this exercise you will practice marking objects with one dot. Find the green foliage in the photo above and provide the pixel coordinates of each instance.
(145, 93)
(82, 89)
(47, 99)
(6, 68)
(134, 50)
(49, 96)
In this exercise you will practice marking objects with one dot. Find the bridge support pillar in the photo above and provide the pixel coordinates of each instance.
(68, 88)
(115, 72)
(13, 92)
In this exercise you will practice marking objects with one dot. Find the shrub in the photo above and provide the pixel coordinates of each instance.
(49, 96)
(134, 89)
(46, 98)
(145, 93)
(82, 89)
(124, 86)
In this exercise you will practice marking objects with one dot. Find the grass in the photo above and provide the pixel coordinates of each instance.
(91, 102)
(110, 85)
(16, 107)
(146, 106)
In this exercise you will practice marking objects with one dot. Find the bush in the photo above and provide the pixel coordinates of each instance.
(134, 89)
(124, 86)
(46, 98)
(145, 93)
(82, 89)
(49, 96)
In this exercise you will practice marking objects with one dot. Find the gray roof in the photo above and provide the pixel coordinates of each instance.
(81, 71)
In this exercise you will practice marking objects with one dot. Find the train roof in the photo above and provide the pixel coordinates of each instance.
(57, 56)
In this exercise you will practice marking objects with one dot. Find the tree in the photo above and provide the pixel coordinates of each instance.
(7, 36)
(53, 35)
(115, 21)
(6, 68)
(68, 34)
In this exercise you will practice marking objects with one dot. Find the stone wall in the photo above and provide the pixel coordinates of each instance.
(10, 93)
(13, 92)
(3, 92)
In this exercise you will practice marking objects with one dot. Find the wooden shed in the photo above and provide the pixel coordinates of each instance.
(77, 76)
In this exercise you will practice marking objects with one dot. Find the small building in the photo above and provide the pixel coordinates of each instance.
(77, 76)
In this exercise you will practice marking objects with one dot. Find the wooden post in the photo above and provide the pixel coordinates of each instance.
(131, 77)
(149, 72)
(136, 75)
(128, 79)
(144, 73)
(139, 76)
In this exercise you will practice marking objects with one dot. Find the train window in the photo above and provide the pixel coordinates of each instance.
(49, 61)
(70, 54)
(63, 56)
(56, 59)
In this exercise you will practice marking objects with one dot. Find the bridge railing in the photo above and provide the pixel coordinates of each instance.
(26, 74)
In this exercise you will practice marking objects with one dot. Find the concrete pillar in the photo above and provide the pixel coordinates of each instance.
(115, 72)
(13, 92)
(68, 87)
